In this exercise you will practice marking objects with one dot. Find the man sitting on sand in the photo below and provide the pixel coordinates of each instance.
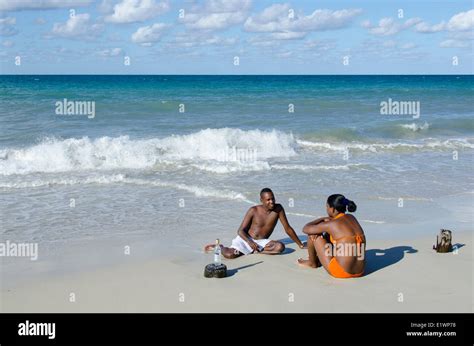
(256, 228)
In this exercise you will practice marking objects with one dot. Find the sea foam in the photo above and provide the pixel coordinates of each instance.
(416, 127)
(427, 144)
(230, 146)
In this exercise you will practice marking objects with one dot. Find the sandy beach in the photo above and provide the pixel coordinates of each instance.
(401, 276)
(162, 180)
(134, 134)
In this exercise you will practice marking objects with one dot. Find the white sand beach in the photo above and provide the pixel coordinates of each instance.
(135, 133)
(401, 276)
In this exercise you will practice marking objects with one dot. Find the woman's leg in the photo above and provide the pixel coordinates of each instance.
(324, 250)
(312, 261)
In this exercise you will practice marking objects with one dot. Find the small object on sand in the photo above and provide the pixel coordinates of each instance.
(444, 241)
(215, 271)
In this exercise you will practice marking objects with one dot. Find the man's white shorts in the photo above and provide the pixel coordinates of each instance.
(240, 244)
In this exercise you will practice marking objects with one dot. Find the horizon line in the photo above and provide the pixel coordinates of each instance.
(216, 75)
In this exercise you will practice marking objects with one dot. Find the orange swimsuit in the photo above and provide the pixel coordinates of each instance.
(335, 269)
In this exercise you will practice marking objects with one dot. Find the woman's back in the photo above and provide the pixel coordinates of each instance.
(348, 241)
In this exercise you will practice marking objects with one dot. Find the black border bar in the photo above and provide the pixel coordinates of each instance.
(293, 329)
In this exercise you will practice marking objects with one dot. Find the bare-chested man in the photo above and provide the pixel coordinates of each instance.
(256, 228)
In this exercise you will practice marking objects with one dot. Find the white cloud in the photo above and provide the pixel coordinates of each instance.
(271, 19)
(221, 41)
(425, 28)
(271, 14)
(458, 39)
(77, 27)
(321, 20)
(8, 21)
(462, 21)
(319, 45)
(18, 5)
(285, 54)
(366, 24)
(130, 11)
(454, 44)
(263, 41)
(387, 49)
(459, 29)
(310, 44)
(223, 6)
(462, 35)
(190, 54)
(277, 18)
(217, 14)
(106, 6)
(279, 22)
(110, 52)
(148, 35)
(389, 26)
(8, 43)
(7, 27)
(289, 35)
(214, 21)
(199, 39)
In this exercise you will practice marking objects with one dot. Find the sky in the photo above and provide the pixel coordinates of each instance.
(236, 37)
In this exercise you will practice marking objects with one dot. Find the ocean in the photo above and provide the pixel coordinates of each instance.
(177, 160)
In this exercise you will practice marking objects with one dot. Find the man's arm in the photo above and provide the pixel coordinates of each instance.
(318, 226)
(245, 226)
(288, 229)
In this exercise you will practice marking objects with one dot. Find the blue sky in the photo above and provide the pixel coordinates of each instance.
(205, 37)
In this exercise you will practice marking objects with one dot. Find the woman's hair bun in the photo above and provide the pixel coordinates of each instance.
(341, 203)
(351, 206)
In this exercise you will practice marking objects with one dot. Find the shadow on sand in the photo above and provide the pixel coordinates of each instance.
(231, 272)
(376, 259)
(287, 241)
(287, 251)
(458, 246)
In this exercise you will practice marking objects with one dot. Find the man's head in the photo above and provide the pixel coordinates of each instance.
(267, 198)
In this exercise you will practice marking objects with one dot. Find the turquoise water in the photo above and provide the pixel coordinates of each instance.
(140, 167)
(343, 107)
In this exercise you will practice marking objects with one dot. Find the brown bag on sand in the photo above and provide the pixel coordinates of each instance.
(444, 241)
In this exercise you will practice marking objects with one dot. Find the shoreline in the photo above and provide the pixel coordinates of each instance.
(427, 282)
(62, 257)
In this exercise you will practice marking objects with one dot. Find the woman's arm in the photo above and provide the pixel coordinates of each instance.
(318, 226)
(319, 220)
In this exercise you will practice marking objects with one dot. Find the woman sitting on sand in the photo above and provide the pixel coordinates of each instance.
(343, 254)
